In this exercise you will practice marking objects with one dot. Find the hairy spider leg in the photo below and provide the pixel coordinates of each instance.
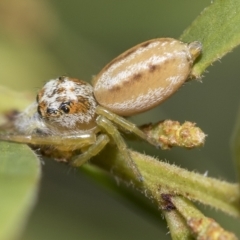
(76, 140)
(93, 150)
(125, 124)
(110, 129)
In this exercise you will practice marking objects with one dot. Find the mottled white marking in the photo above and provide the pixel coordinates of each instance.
(109, 78)
(71, 92)
(162, 64)
(141, 101)
(29, 121)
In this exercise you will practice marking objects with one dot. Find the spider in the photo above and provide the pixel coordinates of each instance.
(77, 119)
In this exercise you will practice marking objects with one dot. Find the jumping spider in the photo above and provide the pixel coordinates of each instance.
(72, 115)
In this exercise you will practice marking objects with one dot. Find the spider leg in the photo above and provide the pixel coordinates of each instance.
(76, 140)
(125, 124)
(93, 150)
(114, 133)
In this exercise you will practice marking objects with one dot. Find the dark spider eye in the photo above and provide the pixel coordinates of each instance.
(65, 107)
(37, 98)
(51, 111)
(39, 111)
(61, 78)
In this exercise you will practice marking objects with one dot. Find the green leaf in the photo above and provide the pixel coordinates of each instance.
(12, 100)
(19, 178)
(218, 29)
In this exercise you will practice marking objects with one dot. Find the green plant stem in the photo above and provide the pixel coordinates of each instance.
(177, 225)
(202, 227)
(174, 180)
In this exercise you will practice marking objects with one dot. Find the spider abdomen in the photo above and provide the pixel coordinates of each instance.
(145, 75)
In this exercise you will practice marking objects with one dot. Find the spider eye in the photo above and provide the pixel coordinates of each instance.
(61, 78)
(52, 111)
(65, 107)
(39, 110)
(37, 98)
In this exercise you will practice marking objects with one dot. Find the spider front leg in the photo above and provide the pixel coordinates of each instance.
(109, 128)
(125, 124)
(65, 141)
(93, 150)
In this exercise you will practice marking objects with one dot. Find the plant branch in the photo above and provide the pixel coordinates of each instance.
(174, 180)
(201, 226)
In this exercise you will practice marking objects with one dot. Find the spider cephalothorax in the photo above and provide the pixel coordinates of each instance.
(67, 102)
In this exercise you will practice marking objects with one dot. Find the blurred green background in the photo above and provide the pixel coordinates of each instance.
(41, 39)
